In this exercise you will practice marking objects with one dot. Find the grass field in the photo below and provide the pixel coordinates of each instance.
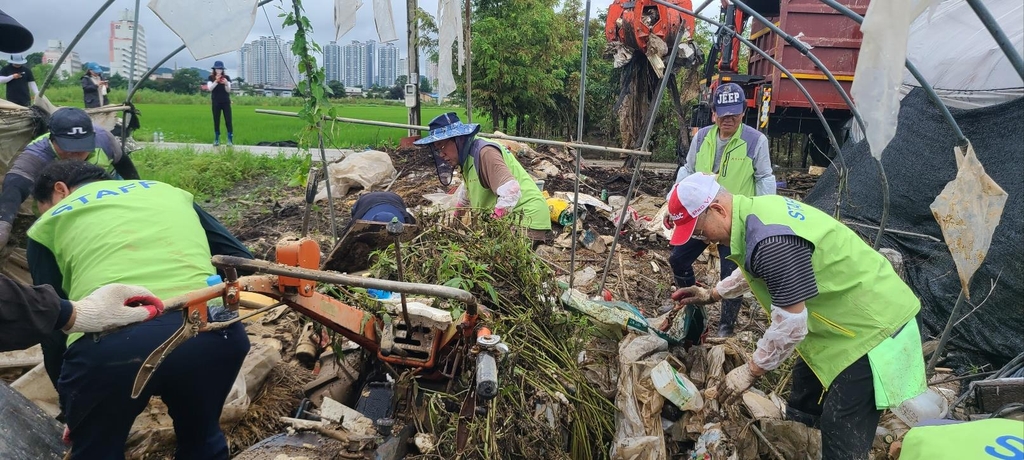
(189, 118)
(194, 123)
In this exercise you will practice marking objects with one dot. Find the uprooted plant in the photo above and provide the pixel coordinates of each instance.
(545, 408)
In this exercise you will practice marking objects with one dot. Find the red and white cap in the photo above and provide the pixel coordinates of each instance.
(688, 198)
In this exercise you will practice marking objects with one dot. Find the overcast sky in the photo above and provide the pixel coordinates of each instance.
(62, 19)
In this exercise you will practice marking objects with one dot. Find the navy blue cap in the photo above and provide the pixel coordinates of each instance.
(729, 100)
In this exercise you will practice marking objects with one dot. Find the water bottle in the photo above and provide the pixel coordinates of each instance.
(216, 311)
(156, 136)
(161, 136)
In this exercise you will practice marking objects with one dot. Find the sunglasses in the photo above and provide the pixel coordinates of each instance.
(698, 230)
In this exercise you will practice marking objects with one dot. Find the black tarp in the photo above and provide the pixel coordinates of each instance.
(919, 162)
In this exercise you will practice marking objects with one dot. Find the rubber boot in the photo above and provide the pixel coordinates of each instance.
(216, 139)
(730, 310)
(231, 138)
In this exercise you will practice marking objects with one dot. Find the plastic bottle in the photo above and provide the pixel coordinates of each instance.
(156, 136)
(676, 387)
(379, 294)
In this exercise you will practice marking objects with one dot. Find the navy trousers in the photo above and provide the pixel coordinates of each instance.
(97, 376)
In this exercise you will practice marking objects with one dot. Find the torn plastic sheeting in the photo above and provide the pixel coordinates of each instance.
(638, 428)
(385, 21)
(345, 16)
(449, 31)
(968, 211)
(207, 27)
(879, 72)
(366, 169)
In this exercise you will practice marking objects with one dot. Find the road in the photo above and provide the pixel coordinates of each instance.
(337, 154)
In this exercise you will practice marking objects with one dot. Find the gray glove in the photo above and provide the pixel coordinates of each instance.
(5, 233)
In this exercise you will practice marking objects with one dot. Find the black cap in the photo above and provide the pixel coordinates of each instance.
(14, 37)
(71, 128)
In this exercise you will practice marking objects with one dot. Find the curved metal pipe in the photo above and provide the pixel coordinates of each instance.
(997, 33)
(579, 137)
(262, 266)
(71, 46)
(799, 46)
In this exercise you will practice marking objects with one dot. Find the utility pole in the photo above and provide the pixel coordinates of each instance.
(468, 41)
(414, 65)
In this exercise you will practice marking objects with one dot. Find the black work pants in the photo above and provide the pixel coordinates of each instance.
(684, 256)
(225, 108)
(98, 373)
(846, 413)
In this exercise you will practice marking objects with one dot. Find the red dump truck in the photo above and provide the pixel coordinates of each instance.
(775, 104)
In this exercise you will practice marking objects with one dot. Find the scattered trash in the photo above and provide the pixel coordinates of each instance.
(676, 387)
(367, 169)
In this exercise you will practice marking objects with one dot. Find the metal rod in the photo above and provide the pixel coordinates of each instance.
(898, 232)
(468, 43)
(961, 139)
(135, 44)
(961, 300)
(652, 115)
(67, 51)
(574, 145)
(263, 266)
(998, 34)
(584, 56)
(327, 177)
(401, 277)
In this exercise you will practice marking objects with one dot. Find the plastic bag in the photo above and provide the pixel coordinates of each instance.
(733, 286)
(220, 27)
(449, 20)
(345, 16)
(366, 169)
(638, 428)
(385, 21)
(968, 211)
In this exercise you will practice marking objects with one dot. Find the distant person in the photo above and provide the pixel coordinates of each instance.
(738, 157)
(19, 80)
(72, 136)
(219, 86)
(94, 87)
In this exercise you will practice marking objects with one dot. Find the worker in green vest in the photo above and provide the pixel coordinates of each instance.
(71, 136)
(494, 179)
(832, 298)
(93, 231)
(738, 155)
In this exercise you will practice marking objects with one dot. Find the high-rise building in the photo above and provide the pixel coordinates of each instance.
(370, 75)
(403, 67)
(387, 65)
(121, 32)
(353, 58)
(268, 62)
(71, 64)
(332, 62)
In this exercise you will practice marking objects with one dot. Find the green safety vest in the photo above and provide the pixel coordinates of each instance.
(861, 300)
(736, 172)
(531, 203)
(137, 232)
(98, 156)
(990, 439)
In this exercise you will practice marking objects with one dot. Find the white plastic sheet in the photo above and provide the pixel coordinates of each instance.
(345, 16)
(880, 67)
(367, 169)
(207, 27)
(957, 55)
(449, 31)
(385, 21)
(968, 211)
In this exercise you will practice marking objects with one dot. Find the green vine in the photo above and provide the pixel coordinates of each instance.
(313, 88)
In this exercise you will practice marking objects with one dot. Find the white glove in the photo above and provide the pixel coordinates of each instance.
(781, 338)
(738, 381)
(735, 285)
(693, 295)
(113, 306)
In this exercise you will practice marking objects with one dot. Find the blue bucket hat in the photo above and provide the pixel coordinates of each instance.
(447, 126)
(93, 67)
(218, 65)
